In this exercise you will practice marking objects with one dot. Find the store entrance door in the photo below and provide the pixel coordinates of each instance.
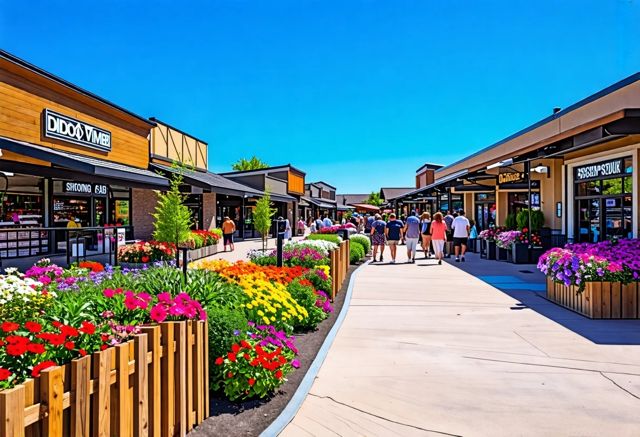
(601, 218)
(485, 215)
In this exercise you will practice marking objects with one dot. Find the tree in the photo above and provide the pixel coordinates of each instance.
(172, 217)
(249, 164)
(262, 217)
(374, 199)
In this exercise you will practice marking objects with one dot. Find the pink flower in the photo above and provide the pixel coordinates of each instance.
(164, 297)
(158, 313)
(109, 292)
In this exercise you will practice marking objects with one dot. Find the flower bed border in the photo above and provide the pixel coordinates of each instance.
(170, 390)
(203, 252)
(599, 299)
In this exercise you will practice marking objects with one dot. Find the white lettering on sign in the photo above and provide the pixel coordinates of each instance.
(65, 128)
(77, 187)
(599, 170)
(100, 190)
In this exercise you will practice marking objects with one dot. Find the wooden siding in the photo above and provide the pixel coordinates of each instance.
(172, 145)
(296, 183)
(22, 103)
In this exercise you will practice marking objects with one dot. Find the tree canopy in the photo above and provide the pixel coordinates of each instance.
(374, 199)
(249, 164)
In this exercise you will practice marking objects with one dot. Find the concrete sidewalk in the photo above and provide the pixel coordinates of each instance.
(432, 350)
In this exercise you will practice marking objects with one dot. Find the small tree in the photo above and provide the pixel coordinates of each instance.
(374, 199)
(262, 217)
(173, 218)
(249, 164)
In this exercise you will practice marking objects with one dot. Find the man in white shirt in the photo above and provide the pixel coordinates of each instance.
(460, 227)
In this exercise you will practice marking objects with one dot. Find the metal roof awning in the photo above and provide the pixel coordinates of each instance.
(319, 203)
(430, 187)
(366, 207)
(211, 181)
(86, 164)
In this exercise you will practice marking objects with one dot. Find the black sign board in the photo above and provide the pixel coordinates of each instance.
(85, 188)
(516, 180)
(61, 127)
(601, 169)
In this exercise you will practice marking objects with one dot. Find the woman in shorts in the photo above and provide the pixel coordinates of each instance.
(438, 233)
(378, 239)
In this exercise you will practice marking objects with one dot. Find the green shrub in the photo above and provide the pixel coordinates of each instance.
(319, 279)
(306, 298)
(327, 237)
(510, 221)
(537, 220)
(224, 324)
(362, 239)
(356, 252)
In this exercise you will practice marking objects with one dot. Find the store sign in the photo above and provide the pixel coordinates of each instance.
(61, 127)
(511, 178)
(85, 188)
(599, 170)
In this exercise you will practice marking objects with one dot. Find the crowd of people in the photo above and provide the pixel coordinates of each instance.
(430, 234)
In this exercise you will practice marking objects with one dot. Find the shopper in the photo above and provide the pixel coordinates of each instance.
(425, 231)
(319, 224)
(460, 227)
(403, 219)
(288, 234)
(412, 235)
(473, 236)
(228, 228)
(393, 234)
(300, 227)
(448, 219)
(377, 236)
(368, 222)
(327, 222)
(438, 235)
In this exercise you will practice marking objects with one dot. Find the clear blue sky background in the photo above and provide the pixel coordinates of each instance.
(358, 93)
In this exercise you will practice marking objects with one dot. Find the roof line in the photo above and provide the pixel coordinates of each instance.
(156, 120)
(262, 170)
(40, 72)
(606, 91)
(322, 182)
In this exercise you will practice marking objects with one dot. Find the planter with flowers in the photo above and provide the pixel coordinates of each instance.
(488, 243)
(505, 241)
(598, 280)
(139, 254)
(203, 243)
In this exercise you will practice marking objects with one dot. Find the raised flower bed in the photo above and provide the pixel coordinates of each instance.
(598, 280)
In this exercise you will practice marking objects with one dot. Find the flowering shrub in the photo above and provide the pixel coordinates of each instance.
(305, 295)
(335, 228)
(93, 266)
(202, 238)
(488, 234)
(28, 348)
(251, 370)
(507, 238)
(21, 296)
(146, 252)
(524, 238)
(605, 261)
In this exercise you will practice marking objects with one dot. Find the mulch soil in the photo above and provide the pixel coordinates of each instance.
(250, 418)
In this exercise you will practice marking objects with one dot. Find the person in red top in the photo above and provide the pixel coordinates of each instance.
(438, 235)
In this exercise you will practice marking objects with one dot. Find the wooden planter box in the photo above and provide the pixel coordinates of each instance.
(339, 261)
(156, 384)
(203, 252)
(598, 300)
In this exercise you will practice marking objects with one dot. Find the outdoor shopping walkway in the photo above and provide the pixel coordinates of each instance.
(433, 350)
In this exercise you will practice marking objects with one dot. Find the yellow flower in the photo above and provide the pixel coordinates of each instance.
(249, 306)
(260, 313)
(266, 320)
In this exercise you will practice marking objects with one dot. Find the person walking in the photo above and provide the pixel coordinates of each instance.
(411, 236)
(448, 219)
(228, 228)
(300, 227)
(460, 227)
(319, 224)
(403, 219)
(425, 231)
(378, 228)
(473, 236)
(288, 234)
(438, 235)
(393, 233)
(327, 222)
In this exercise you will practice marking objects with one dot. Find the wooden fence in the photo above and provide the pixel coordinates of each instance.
(339, 261)
(598, 300)
(154, 385)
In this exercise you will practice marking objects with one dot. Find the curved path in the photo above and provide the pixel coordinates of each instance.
(432, 350)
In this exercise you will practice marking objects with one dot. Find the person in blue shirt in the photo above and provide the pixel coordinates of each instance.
(327, 222)
(412, 235)
(393, 233)
(378, 238)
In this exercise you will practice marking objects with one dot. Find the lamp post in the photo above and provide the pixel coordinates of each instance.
(529, 203)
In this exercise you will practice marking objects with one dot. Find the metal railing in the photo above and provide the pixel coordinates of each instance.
(21, 241)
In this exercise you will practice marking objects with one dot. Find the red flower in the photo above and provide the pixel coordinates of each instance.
(69, 331)
(35, 348)
(87, 328)
(17, 339)
(34, 327)
(279, 374)
(9, 326)
(4, 374)
(82, 352)
(145, 259)
(232, 357)
(235, 348)
(219, 361)
(282, 359)
(246, 357)
(51, 338)
(104, 337)
(57, 324)
(1, 343)
(251, 382)
(103, 347)
(17, 349)
(229, 375)
(254, 363)
(70, 345)
(40, 367)
(246, 344)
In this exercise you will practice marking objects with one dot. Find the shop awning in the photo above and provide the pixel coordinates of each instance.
(319, 203)
(346, 208)
(422, 191)
(86, 164)
(211, 181)
(366, 207)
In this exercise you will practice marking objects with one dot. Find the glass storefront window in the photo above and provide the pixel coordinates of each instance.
(121, 212)
(628, 185)
(66, 209)
(612, 186)
(591, 188)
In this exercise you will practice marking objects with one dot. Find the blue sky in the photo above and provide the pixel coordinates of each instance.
(358, 93)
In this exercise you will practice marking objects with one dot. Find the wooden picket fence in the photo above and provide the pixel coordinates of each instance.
(154, 385)
(339, 263)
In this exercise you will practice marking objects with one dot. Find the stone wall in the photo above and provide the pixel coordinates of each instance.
(143, 204)
(209, 210)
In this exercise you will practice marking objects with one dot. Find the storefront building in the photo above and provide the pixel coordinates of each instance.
(320, 199)
(577, 166)
(285, 185)
(67, 155)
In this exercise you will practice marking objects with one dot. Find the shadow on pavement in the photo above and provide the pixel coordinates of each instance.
(526, 284)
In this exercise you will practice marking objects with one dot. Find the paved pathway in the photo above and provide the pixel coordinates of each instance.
(433, 350)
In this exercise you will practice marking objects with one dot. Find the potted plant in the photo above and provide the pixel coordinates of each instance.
(488, 238)
(505, 241)
(531, 243)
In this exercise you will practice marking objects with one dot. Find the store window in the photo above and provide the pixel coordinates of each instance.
(518, 202)
(194, 203)
(120, 206)
(604, 201)
(485, 210)
(22, 200)
(456, 203)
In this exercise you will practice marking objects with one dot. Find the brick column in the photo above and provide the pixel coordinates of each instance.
(209, 210)
(143, 204)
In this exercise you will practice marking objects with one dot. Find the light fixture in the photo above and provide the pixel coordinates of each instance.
(543, 169)
(500, 163)
(7, 173)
